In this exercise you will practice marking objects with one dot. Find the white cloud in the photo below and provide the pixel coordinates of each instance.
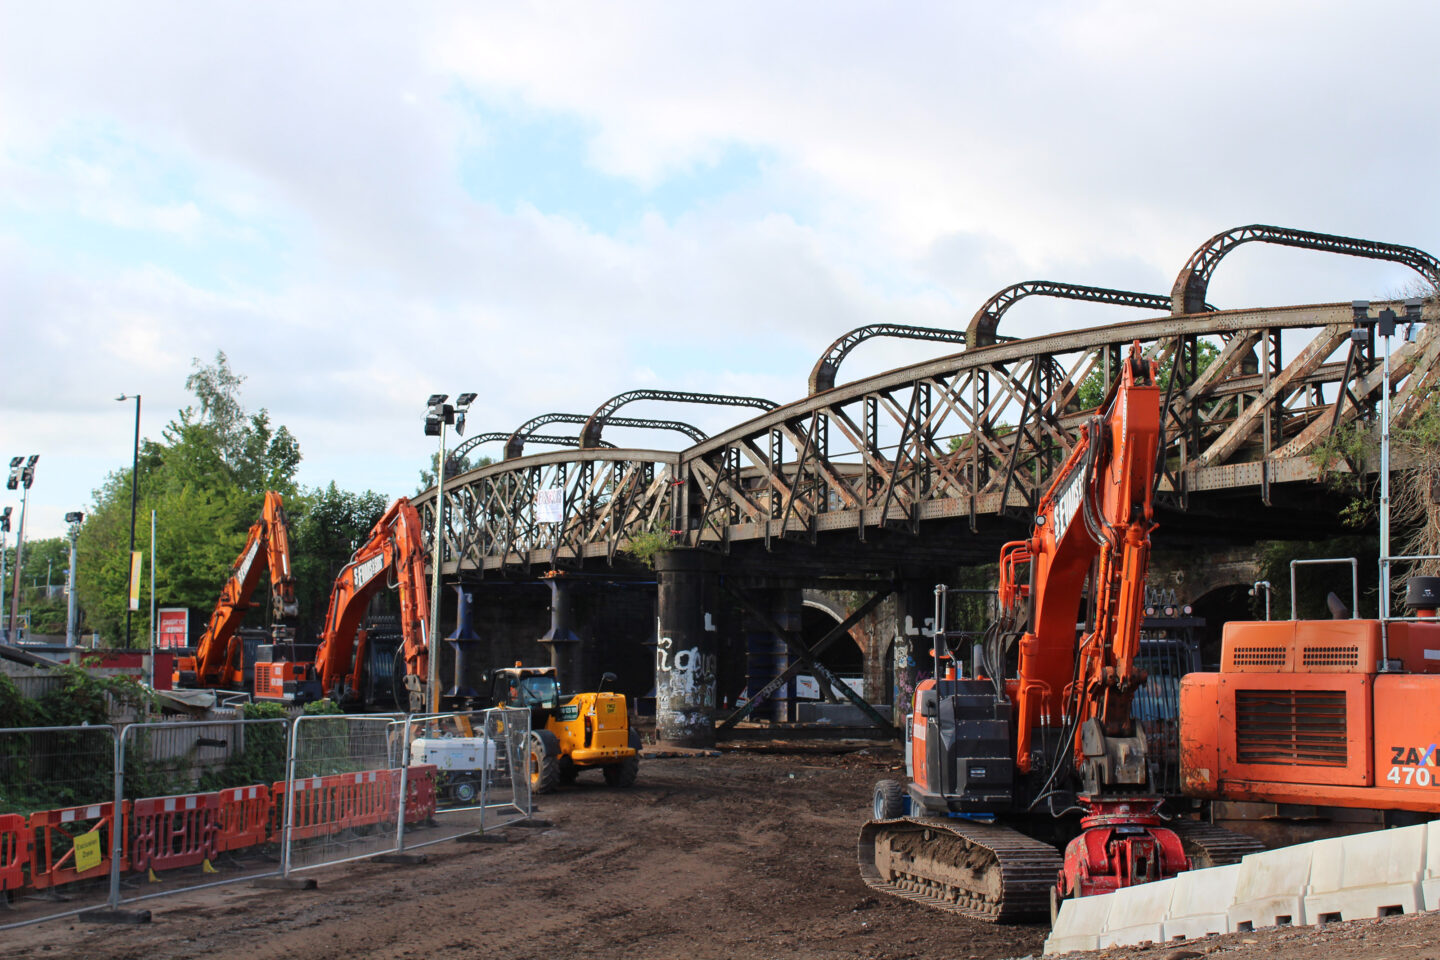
(291, 180)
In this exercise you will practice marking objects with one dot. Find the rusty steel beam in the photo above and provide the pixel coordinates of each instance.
(483, 438)
(983, 326)
(590, 433)
(971, 434)
(1188, 294)
(822, 375)
(515, 442)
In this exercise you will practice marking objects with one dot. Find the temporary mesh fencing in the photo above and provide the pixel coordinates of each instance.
(89, 818)
(349, 789)
(199, 803)
(57, 821)
(481, 774)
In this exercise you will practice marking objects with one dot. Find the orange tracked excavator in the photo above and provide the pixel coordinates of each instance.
(218, 661)
(1001, 762)
(393, 556)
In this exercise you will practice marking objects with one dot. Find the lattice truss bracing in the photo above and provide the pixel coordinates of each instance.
(975, 433)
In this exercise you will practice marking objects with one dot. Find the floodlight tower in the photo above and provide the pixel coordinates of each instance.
(438, 416)
(22, 475)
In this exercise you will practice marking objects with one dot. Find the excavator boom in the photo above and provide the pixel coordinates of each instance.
(1007, 747)
(217, 661)
(395, 550)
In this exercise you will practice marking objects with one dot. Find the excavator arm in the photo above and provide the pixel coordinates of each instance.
(1097, 516)
(267, 549)
(394, 550)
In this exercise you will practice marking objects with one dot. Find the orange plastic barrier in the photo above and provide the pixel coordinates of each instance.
(170, 832)
(52, 838)
(245, 817)
(15, 846)
(319, 806)
(419, 793)
(367, 798)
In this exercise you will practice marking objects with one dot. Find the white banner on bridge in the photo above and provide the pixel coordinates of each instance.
(550, 505)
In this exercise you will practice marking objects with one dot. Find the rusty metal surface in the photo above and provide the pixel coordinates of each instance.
(958, 439)
(590, 433)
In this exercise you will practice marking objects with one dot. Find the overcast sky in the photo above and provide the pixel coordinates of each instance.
(364, 203)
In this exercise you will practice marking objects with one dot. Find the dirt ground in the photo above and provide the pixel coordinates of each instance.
(747, 855)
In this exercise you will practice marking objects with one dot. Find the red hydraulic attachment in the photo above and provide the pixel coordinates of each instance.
(1123, 843)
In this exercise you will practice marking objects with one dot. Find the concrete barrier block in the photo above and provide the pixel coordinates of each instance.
(1367, 875)
(1270, 888)
(1079, 925)
(1430, 881)
(1202, 897)
(1138, 914)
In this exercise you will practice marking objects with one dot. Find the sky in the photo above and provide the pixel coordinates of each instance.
(365, 203)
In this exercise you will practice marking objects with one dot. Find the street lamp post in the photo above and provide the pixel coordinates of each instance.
(134, 493)
(4, 531)
(439, 415)
(20, 477)
(73, 518)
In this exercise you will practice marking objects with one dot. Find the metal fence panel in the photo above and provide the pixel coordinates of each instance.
(348, 789)
(57, 821)
(473, 763)
(507, 798)
(199, 803)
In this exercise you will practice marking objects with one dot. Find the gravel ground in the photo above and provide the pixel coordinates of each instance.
(746, 855)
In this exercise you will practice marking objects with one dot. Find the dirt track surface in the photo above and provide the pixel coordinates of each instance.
(749, 855)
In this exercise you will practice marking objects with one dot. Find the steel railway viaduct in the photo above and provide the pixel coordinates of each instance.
(857, 498)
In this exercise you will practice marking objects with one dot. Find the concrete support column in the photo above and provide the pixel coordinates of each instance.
(685, 661)
(564, 643)
(914, 615)
(767, 656)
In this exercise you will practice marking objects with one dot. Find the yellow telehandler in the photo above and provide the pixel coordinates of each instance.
(584, 732)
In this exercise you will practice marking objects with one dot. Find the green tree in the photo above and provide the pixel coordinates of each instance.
(454, 466)
(206, 481)
(1093, 387)
(326, 527)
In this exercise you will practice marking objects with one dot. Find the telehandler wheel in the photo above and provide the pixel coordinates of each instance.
(622, 774)
(544, 765)
(888, 802)
(568, 772)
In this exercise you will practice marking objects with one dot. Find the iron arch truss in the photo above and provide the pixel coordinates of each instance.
(515, 442)
(822, 376)
(590, 433)
(983, 326)
(1188, 294)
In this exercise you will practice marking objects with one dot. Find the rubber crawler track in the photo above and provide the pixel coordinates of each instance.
(1210, 846)
(1026, 868)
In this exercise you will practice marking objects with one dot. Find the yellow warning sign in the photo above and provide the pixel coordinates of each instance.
(87, 851)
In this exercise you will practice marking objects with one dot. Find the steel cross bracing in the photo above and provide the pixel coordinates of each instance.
(963, 436)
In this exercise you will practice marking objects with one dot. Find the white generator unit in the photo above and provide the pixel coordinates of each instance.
(454, 754)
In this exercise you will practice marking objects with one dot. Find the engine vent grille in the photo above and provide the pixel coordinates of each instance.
(1346, 656)
(1259, 656)
(1304, 727)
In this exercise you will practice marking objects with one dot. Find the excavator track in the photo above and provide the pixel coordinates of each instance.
(1210, 846)
(983, 871)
